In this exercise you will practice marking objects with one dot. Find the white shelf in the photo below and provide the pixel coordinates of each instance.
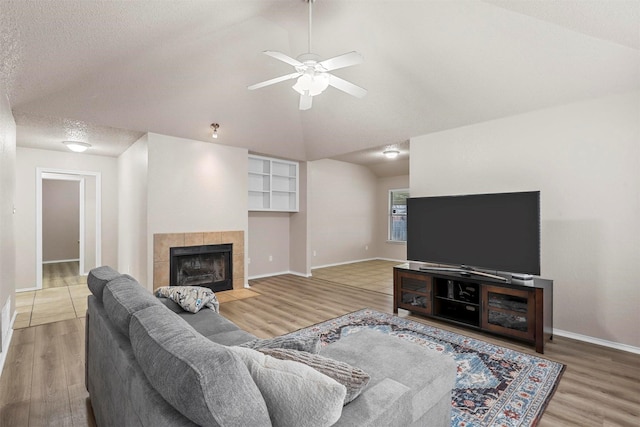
(273, 184)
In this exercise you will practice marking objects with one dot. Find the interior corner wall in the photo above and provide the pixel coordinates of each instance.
(7, 220)
(383, 247)
(132, 210)
(27, 161)
(299, 260)
(585, 160)
(341, 202)
(194, 186)
(268, 243)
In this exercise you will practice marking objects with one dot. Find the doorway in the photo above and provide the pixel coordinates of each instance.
(62, 214)
(68, 224)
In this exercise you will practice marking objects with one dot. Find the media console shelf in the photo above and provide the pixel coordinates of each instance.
(522, 311)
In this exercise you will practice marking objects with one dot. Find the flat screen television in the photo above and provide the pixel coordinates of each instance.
(498, 232)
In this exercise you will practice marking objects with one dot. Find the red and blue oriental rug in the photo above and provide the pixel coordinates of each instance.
(495, 386)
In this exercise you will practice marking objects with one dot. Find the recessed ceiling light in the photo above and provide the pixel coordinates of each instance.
(76, 146)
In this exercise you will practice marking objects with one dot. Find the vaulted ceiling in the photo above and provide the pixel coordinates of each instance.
(108, 71)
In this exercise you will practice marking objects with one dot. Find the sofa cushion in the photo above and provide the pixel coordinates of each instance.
(309, 344)
(203, 380)
(190, 298)
(122, 297)
(354, 379)
(296, 394)
(98, 279)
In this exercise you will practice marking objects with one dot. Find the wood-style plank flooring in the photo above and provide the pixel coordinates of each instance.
(42, 382)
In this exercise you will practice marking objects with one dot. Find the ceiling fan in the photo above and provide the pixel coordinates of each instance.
(313, 74)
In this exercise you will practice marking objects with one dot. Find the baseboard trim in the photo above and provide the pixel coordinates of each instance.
(597, 341)
(5, 350)
(35, 288)
(343, 263)
(61, 260)
(262, 276)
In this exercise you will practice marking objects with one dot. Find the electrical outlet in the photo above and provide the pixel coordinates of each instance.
(314, 253)
(270, 258)
(366, 247)
(248, 260)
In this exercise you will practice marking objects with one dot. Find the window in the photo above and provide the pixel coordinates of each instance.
(398, 215)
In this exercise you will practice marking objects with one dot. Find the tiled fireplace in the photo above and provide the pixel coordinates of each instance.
(182, 243)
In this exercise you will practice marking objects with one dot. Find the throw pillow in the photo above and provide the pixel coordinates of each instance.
(296, 395)
(190, 298)
(308, 344)
(354, 379)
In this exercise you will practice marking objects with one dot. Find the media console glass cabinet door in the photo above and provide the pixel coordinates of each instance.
(523, 312)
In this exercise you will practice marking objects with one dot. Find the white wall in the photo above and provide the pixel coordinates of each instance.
(341, 202)
(269, 241)
(384, 248)
(7, 221)
(585, 160)
(194, 186)
(60, 220)
(27, 160)
(132, 210)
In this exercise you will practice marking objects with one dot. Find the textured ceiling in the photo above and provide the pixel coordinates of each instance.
(115, 70)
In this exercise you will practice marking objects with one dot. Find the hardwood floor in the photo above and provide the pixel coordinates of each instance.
(43, 379)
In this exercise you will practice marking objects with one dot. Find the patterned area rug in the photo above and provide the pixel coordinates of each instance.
(495, 386)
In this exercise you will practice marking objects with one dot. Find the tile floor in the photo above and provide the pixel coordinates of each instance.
(50, 305)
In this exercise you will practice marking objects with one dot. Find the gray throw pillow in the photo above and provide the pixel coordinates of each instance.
(308, 344)
(98, 279)
(354, 379)
(204, 381)
(296, 395)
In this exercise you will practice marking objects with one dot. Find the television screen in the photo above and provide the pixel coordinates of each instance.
(492, 231)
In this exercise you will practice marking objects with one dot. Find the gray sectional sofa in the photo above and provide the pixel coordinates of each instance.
(149, 363)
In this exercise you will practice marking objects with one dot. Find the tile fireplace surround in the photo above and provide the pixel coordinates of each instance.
(163, 241)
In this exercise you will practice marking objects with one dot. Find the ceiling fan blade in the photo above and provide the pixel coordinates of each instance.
(305, 102)
(273, 81)
(341, 61)
(282, 57)
(346, 86)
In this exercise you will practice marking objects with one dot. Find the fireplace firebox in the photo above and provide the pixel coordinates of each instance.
(206, 265)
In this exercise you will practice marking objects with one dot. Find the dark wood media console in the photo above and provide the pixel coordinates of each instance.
(523, 311)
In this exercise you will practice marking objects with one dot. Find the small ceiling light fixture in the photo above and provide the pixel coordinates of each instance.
(214, 127)
(391, 153)
(77, 147)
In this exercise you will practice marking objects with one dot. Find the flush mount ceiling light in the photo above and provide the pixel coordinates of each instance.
(214, 128)
(77, 147)
(312, 73)
(391, 153)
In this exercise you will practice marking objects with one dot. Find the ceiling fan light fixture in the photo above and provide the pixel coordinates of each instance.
(76, 146)
(391, 153)
(311, 84)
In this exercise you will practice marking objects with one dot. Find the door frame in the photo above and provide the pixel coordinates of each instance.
(69, 175)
